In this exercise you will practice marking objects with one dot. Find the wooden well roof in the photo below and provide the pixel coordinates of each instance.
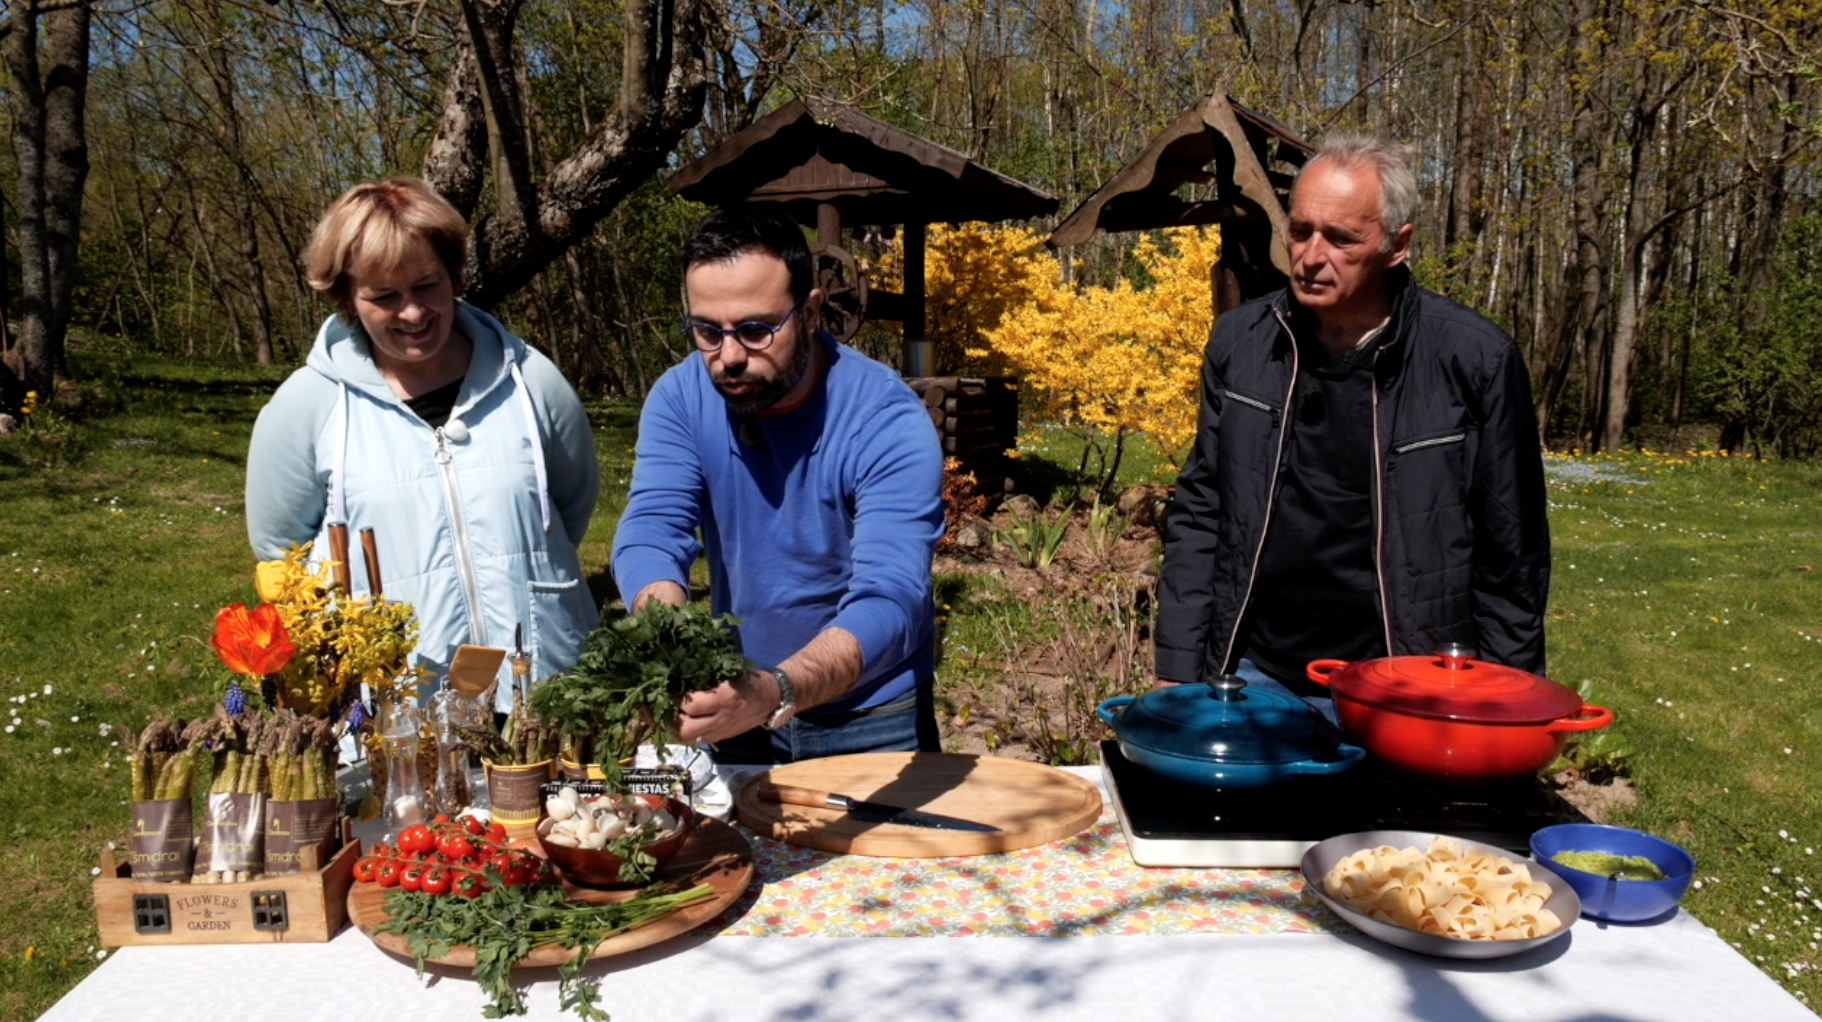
(1216, 140)
(811, 152)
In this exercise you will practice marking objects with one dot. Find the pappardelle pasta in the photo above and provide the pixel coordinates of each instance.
(1446, 891)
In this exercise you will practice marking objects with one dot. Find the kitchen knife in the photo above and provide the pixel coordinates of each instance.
(872, 812)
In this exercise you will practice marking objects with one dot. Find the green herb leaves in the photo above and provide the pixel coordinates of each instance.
(508, 923)
(631, 679)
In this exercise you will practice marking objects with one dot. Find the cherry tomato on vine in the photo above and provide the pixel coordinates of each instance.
(473, 825)
(524, 869)
(390, 872)
(364, 869)
(455, 846)
(381, 851)
(496, 832)
(470, 885)
(412, 878)
(436, 880)
(439, 819)
(416, 839)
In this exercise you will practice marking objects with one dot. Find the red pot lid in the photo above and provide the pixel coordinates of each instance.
(1446, 687)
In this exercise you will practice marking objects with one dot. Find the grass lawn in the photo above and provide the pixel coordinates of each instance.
(1683, 592)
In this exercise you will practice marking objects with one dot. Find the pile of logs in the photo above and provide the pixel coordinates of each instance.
(978, 420)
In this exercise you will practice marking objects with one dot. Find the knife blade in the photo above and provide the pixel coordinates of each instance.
(872, 812)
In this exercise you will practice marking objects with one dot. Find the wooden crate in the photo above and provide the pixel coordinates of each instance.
(303, 908)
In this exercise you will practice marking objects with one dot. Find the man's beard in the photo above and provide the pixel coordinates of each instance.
(765, 394)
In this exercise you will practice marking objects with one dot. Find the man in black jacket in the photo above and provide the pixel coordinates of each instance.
(1366, 478)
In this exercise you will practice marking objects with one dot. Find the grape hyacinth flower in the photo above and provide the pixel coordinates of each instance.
(235, 701)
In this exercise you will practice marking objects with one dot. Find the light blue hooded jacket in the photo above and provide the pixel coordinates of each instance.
(477, 522)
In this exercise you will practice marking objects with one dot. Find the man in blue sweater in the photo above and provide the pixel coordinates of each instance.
(815, 479)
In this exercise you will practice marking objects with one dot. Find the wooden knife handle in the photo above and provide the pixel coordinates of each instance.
(793, 796)
(370, 548)
(338, 555)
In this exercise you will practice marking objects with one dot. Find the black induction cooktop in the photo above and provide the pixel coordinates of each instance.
(1172, 824)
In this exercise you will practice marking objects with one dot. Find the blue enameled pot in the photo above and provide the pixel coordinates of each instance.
(1225, 735)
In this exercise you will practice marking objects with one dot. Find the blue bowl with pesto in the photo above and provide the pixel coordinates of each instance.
(1604, 896)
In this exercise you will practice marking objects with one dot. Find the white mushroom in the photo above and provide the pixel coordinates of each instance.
(570, 795)
(558, 808)
(595, 840)
(546, 825)
(562, 839)
(612, 827)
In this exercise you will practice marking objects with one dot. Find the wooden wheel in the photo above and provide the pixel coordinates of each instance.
(844, 289)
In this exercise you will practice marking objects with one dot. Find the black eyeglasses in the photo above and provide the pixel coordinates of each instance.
(753, 334)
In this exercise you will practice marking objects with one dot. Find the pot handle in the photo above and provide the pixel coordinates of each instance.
(1318, 671)
(1350, 755)
(1601, 717)
(1105, 710)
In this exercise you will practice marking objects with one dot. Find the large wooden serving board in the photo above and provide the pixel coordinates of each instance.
(715, 854)
(1032, 804)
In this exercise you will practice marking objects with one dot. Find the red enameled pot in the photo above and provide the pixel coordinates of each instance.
(1453, 719)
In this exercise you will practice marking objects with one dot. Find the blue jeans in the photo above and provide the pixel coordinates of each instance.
(1309, 692)
(906, 724)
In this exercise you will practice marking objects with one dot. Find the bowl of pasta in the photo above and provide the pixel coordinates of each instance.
(1440, 895)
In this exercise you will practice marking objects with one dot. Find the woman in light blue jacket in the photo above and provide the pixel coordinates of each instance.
(422, 418)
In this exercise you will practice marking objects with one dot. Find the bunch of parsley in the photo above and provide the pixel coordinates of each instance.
(630, 681)
(508, 923)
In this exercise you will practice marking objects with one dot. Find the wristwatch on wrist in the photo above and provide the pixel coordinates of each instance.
(787, 702)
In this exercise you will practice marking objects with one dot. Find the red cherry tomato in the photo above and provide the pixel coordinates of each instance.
(436, 880)
(473, 825)
(496, 832)
(501, 863)
(525, 868)
(364, 869)
(380, 851)
(454, 846)
(439, 819)
(415, 840)
(390, 872)
(412, 879)
(470, 885)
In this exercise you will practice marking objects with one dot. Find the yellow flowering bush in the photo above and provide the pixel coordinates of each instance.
(1119, 360)
(975, 275)
(341, 642)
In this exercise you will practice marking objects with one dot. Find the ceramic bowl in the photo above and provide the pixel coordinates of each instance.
(1608, 899)
(600, 868)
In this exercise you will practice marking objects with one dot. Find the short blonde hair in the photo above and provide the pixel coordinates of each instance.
(375, 228)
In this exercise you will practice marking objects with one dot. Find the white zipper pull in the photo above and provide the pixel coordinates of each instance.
(442, 447)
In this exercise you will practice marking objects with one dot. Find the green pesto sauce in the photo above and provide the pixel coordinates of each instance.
(1630, 867)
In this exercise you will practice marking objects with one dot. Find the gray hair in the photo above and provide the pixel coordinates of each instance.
(1390, 163)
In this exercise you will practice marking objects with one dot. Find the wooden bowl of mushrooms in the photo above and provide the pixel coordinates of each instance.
(589, 838)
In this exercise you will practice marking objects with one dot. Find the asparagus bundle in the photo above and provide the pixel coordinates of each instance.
(301, 754)
(527, 739)
(238, 743)
(163, 764)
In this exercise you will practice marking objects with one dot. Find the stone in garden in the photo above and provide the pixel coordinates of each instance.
(973, 535)
(8, 424)
(1022, 504)
(1140, 505)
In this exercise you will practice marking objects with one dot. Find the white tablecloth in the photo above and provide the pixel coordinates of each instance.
(1679, 970)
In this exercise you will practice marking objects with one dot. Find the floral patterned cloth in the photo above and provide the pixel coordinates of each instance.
(1086, 885)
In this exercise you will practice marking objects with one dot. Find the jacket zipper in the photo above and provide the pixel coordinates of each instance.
(1253, 402)
(1421, 444)
(1385, 604)
(471, 594)
(1271, 492)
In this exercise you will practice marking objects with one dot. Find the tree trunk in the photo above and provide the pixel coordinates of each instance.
(221, 75)
(532, 225)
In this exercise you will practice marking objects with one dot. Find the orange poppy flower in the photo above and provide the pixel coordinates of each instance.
(252, 642)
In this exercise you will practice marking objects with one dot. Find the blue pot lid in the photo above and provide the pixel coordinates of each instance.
(1225, 721)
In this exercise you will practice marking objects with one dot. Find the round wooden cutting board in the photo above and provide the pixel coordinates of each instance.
(1032, 804)
(715, 854)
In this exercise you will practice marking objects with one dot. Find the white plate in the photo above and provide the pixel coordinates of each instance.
(1318, 861)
